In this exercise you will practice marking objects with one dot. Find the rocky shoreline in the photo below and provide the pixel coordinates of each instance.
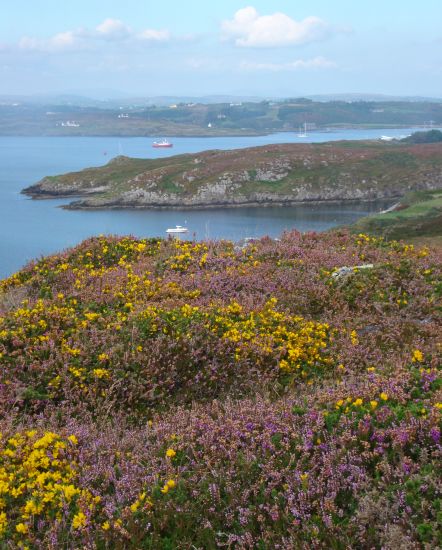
(81, 205)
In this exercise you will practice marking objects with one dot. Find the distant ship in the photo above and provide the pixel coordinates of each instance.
(177, 229)
(303, 134)
(161, 144)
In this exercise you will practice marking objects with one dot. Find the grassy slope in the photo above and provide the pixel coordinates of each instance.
(419, 216)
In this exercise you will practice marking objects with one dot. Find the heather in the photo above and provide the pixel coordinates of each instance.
(178, 394)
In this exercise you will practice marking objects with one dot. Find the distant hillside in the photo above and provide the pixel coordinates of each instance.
(169, 116)
(275, 174)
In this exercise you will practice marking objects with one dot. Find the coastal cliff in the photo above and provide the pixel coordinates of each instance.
(268, 175)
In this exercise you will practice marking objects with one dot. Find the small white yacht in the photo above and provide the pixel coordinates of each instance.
(303, 134)
(177, 229)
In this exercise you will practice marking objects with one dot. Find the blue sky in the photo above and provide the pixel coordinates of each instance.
(262, 48)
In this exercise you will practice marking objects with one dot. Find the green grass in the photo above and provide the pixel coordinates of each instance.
(421, 217)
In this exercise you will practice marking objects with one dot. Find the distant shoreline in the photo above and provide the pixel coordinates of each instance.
(213, 133)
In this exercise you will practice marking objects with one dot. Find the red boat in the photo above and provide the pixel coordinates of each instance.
(162, 144)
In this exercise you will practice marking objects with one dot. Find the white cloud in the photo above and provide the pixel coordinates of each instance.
(110, 30)
(249, 29)
(154, 35)
(299, 64)
(113, 29)
(63, 41)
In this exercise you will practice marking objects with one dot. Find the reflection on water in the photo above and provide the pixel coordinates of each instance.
(29, 229)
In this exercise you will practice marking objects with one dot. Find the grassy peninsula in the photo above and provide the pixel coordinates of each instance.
(162, 394)
(272, 174)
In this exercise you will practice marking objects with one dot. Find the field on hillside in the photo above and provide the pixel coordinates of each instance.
(167, 394)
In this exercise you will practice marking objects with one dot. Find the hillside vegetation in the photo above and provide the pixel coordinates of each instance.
(167, 394)
(273, 174)
(432, 136)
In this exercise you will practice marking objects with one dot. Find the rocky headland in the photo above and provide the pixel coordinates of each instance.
(268, 175)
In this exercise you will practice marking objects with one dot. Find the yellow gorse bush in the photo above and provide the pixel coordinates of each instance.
(297, 345)
(186, 253)
(300, 344)
(39, 481)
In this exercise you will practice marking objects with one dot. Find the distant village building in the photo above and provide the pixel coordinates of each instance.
(123, 115)
(69, 124)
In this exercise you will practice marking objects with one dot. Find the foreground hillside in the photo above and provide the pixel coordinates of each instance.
(166, 394)
(272, 174)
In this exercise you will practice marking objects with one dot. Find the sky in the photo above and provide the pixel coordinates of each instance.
(196, 47)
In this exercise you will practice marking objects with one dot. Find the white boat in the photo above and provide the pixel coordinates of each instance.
(301, 133)
(387, 138)
(177, 229)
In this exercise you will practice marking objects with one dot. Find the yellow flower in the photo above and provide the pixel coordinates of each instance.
(373, 404)
(73, 439)
(384, 396)
(101, 373)
(438, 406)
(417, 356)
(358, 402)
(69, 491)
(21, 528)
(3, 522)
(105, 526)
(165, 489)
(304, 476)
(79, 521)
(170, 453)
(134, 506)
(171, 483)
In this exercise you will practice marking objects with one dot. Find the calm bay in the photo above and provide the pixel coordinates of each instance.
(30, 229)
